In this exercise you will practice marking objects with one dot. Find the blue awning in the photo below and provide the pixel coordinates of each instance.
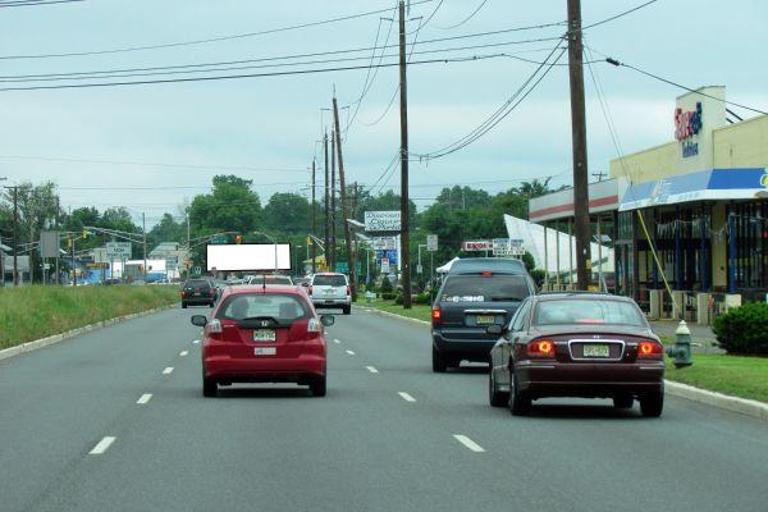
(711, 185)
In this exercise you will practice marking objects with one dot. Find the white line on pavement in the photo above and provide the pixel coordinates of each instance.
(102, 446)
(350, 352)
(168, 370)
(405, 396)
(146, 397)
(195, 342)
(469, 443)
(183, 353)
(336, 341)
(372, 369)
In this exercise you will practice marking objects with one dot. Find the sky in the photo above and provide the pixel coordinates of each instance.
(97, 143)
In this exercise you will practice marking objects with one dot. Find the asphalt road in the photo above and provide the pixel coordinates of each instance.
(385, 437)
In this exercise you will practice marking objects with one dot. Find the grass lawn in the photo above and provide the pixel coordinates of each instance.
(419, 311)
(745, 377)
(31, 312)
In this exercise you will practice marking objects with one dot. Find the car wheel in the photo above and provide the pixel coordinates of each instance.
(652, 404)
(496, 398)
(348, 310)
(211, 304)
(623, 401)
(183, 305)
(519, 401)
(439, 365)
(210, 388)
(318, 386)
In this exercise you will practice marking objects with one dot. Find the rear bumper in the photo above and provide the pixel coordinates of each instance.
(589, 380)
(264, 369)
(198, 300)
(470, 349)
(331, 303)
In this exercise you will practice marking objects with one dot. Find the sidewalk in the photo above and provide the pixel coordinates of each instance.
(701, 334)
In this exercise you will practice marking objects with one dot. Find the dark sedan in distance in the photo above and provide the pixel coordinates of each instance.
(584, 345)
(198, 292)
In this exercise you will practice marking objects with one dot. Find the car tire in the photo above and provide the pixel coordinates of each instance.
(183, 305)
(623, 401)
(348, 310)
(439, 364)
(496, 398)
(519, 401)
(211, 304)
(210, 388)
(652, 404)
(318, 386)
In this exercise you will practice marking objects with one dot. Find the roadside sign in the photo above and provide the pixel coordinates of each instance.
(431, 243)
(119, 250)
(388, 220)
(197, 270)
(171, 263)
(385, 265)
(49, 244)
(384, 243)
(476, 245)
(419, 269)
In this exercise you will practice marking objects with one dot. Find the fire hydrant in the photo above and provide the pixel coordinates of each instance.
(681, 352)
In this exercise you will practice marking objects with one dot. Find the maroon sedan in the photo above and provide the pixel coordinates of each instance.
(263, 334)
(577, 345)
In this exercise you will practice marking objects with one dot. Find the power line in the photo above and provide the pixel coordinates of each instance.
(241, 76)
(203, 41)
(619, 15)
(465, 20)
(27, 3)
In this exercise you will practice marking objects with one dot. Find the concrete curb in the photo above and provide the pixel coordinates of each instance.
(730, 403)
(56, 338)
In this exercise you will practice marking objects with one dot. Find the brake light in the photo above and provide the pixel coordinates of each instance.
(436, 315)
(310, 290)
(348, 291)
(213, 327)
(486, 274)
(650, 350)
(183, 294)
(541, 348)
(314, 325)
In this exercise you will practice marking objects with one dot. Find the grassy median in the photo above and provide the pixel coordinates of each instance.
(32, 312)
(745, 377)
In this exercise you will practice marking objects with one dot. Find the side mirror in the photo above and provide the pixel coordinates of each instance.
(199, 320)
(327, 320)
(495, 329)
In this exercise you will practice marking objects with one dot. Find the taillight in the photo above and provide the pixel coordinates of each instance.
(310, 290)
(349, 292)
(314, 325)
(650, 350)
(213, 327)
(183, 294)
(541, 348)
(436, 315)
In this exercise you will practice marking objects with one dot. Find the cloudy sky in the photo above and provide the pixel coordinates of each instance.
(266, 128)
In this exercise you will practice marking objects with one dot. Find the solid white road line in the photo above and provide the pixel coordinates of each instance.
(469, 443)
(195, 342)
(372, 369)
(102, 446)
(183, 353)
(146, 397)
(336, 341)
(405, 396)
(168, 370)
(350, 352)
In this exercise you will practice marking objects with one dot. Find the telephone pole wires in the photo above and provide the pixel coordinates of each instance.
(405, 265)
(579, 136)
(345, 207)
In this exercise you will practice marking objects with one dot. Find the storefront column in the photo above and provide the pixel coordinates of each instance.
(546, 259)
(704, 265)
(599, 257)
(679, 280)
(557, 255)
(570, 253)
(731, 233)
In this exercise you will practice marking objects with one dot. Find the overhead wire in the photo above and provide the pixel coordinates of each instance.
(28, 3)
(465, 20)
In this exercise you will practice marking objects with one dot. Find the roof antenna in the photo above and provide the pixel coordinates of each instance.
(264, 282)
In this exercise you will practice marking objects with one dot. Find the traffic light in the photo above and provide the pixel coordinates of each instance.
(238, 239)
(85, 234)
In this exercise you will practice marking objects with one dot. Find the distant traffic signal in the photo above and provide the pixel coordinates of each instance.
(238, 239)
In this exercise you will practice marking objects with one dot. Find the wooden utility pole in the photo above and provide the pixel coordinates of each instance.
(144, 242)
(15, 236)
(579, 136)
(332, 263)
(314, 220)
(345, 208)
(327, 206)
(405, 265)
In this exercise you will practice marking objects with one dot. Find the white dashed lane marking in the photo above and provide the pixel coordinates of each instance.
(102, 446)
(195, 342)
(183, 353)
(372, 369)
(469, 443)
(350, 352)
(146, 397)
(168, 370)
(336, 341)
(405, 396)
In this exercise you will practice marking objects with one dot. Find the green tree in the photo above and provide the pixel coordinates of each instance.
(231, 206)
(167, 230)
(289, 213)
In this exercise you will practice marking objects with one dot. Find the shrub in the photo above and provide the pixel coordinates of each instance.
(399, 298)
(386, 285)
(422, 298)
(538, 276)
(529, 262)
(388, 295)
(744, 330)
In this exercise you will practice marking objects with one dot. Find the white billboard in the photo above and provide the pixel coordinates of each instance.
(382, 220)
(242, 257)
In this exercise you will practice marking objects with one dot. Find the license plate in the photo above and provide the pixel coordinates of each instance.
(485, 319)
(264, 335)
(594, 350)
(196, 294)
(265, 351)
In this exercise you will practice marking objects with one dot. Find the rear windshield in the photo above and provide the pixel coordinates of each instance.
(330, 281)
(198, 283)
(588, 311)
(479, 288)
(281, 307)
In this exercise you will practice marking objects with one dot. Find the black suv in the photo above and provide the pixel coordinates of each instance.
(474, 295)
(198, 292)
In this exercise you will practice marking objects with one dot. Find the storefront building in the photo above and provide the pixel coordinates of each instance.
(701, 201)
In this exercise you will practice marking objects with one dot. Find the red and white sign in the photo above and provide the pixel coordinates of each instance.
(476, 245)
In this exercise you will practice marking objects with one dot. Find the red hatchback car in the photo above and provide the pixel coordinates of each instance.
(263, 334)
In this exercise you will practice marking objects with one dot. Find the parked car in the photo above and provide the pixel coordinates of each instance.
(270, 279)
(198, 292)
(469, 301)
(331, 290)
(577, 345)
(270, 334)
